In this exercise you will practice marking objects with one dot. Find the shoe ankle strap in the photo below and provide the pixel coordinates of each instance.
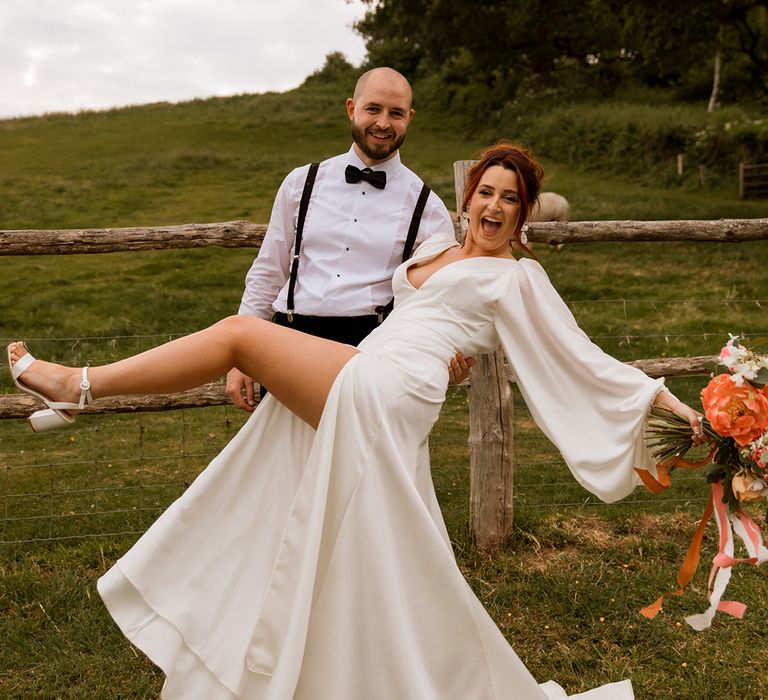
(85, 390)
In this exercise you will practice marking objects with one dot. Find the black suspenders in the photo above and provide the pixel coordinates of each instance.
(306, 193)
(410, 239)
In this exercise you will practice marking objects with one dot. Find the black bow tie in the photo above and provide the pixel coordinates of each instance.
(378, 178)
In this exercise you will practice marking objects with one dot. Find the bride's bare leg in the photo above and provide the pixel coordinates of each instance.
(298, 369)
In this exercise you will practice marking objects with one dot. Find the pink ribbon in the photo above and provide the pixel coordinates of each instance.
(722, 563)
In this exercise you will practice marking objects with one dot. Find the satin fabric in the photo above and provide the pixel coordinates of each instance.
(316, 565)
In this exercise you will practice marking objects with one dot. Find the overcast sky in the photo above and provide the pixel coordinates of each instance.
(69, 55)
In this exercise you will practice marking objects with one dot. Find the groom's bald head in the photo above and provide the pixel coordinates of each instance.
(384, 78)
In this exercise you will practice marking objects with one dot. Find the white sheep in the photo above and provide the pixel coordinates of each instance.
(550, 206)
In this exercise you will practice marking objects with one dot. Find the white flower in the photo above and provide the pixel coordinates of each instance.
(742, 363)
(745, 369)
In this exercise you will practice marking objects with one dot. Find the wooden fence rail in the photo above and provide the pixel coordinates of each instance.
(243, 234)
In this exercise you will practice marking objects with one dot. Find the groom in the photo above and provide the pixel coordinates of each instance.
(339, 230)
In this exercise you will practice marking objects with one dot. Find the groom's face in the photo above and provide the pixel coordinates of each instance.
(380, 115)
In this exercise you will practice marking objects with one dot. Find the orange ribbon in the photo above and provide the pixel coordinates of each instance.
(661, 482)
(690, 563)
(657, 484)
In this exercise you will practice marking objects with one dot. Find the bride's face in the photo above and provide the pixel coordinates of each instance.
(494, 210)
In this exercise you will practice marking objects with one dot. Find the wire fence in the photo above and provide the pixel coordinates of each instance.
(111, 475)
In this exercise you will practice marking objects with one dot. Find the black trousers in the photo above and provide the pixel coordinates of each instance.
(343, 329)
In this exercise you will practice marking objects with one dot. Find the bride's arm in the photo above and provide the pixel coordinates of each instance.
(593, 407)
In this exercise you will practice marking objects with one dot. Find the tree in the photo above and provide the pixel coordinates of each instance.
(489, 48)
(493, 45)
(671, 41)
(748, 20)
(335, 68)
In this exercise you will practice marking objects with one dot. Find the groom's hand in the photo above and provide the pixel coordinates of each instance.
(458, 369)
(240, 389)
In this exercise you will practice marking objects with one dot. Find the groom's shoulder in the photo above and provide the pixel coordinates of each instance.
(299, 174)
(410, 174)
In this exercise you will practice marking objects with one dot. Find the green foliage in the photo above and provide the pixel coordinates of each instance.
(485, 54)
(641, 139)
(394, 34)
(336, 69)
(746, 21)
(666, 39)
(729, 138)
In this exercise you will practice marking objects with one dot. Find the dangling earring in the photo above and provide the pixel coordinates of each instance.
(464, 223)
(513, 245)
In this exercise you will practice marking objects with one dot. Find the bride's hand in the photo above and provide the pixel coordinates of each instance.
(695, 418)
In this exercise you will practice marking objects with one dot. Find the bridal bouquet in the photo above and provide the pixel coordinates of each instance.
(736, 424)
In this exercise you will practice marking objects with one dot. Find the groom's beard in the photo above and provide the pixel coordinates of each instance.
(373, 149)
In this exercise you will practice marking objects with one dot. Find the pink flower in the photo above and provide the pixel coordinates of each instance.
(740, 412)
(757, 451)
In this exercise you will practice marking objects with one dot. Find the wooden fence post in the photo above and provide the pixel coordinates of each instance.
(741, 179)
(491, 434)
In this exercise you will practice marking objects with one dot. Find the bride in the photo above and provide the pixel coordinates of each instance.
(310, 559)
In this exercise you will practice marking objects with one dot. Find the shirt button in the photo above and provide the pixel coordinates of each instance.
(347, 248)
(355, 220)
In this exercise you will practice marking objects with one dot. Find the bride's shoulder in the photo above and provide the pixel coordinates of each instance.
(528, 272)
(532, 267)
(434, 245)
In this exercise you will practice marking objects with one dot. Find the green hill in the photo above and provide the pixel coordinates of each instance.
(205, 160)
(223, 158)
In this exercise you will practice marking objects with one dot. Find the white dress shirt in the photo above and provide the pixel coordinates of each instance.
(353, 240)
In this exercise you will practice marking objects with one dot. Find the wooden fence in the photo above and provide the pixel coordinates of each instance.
(491, 436)
(753, 180)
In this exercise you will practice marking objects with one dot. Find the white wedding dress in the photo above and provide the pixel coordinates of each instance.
(315, 564)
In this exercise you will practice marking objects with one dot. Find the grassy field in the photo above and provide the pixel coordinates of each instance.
(566, 588)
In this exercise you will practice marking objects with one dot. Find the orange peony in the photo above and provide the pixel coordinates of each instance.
(740, 412)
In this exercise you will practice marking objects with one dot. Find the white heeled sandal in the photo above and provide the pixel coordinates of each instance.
(56, 415)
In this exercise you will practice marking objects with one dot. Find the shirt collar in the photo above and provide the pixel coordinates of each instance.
(390, 167)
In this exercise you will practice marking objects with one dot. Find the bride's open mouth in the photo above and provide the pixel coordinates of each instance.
(490, 225)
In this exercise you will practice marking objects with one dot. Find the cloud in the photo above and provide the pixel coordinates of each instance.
(59, 56)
